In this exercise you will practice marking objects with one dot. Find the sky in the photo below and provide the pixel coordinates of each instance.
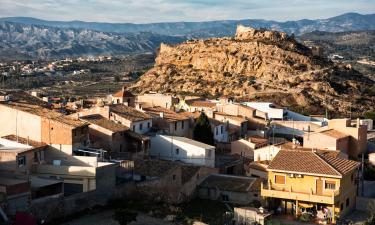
(149, 11)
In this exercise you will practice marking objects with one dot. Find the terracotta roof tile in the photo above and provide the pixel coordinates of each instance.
(129, 113)
(310, 162)
(123, 93)
(104, 122)
(334, 133)
(168, 115)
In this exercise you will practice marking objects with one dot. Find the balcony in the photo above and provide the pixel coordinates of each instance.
(272, 191)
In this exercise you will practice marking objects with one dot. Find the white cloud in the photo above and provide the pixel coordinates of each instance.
(145, 11)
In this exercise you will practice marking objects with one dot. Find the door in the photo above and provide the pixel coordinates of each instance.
(319, 187)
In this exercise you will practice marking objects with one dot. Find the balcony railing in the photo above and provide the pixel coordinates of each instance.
(273, 191)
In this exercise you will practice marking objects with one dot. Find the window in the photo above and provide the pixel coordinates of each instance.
(341, 206)
(255, 195)
(133, 127)
(279, 179)
(209, 153)
(182, 124)
(140, 126)
(221, 129)
(21, 161)
(330, 185)
(174, 177)
(148, 125)
(36, 157)
(347, 202)
(225, 197)
(177, 151)
(175, 126)
(217, 130)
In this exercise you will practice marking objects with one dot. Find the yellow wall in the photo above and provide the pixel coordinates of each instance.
(346, 187)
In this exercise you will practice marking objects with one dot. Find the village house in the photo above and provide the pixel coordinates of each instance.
(58, 131)
(194, 105)
(236, 124)
(250, 215)
(218, 128)
(246, 147)
(266, 110)
(114, 137)
(231, 189)
(175, 148)
(135, 120)
(339, 135)
(168, 121)
(123, 97)
(301, 180)
(173, 182)
(156, 99)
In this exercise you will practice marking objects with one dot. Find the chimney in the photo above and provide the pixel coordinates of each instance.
(161, 114)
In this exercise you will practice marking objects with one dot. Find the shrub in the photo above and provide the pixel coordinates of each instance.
(124, 216)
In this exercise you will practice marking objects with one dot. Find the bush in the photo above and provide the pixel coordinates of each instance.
(125, 216)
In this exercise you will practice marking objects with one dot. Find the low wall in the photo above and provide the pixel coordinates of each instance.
(57, 207)
(363, 203)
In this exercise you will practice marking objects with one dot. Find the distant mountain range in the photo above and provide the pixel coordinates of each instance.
(345, 22)
(24, 37)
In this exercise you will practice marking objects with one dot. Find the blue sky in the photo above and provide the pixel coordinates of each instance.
(146, 11)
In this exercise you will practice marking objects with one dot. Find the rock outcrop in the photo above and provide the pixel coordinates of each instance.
(257, 64)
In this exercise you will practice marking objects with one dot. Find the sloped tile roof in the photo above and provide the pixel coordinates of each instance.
(310, 162)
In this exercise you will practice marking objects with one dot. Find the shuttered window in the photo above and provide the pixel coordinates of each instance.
(330, 185)
(279, 179)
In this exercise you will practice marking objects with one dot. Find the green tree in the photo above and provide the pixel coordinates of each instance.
(202, 130)
(125, 216)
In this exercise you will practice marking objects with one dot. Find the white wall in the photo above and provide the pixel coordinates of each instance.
(220, 136)
(166, 148)
(273, 113)
(19, 123)
(266, 153)
(145, 127)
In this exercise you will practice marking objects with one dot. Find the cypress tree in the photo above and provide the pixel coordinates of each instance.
(202, 130)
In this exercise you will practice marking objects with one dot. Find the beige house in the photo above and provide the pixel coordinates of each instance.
(156, 99)
(168, 121)
(173, 182)
(238, 124)
(339, 135)
(232, 189)
(123, 97)
(246, 147)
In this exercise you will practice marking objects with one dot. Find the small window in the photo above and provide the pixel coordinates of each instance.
(175, 126)
(133, 127)
(36, 157)
(347, 202)
(221, 129)
(255, 195)
(140, 126)
(341, 206)
(177, 151)
(182, 124)
(224, 198)
(148, 125)
(217, 131)
(174, 177)
(279, 179)
(21, 161)
(330, 185)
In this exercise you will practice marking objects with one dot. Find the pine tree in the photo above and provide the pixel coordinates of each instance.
(202, 130)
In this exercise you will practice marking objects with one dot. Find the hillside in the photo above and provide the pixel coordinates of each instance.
(345, 22)
(37, 41)
(258, 64)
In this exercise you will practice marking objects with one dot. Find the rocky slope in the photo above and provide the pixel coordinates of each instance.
(258, 64)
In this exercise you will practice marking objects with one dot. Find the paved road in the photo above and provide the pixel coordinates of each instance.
(105, 218)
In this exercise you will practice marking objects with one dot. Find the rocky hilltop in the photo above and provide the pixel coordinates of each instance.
(258, 64)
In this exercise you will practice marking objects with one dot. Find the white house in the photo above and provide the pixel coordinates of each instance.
(266, 107)
(183, 149)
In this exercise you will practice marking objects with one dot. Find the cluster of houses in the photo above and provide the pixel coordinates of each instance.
(285, 162)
